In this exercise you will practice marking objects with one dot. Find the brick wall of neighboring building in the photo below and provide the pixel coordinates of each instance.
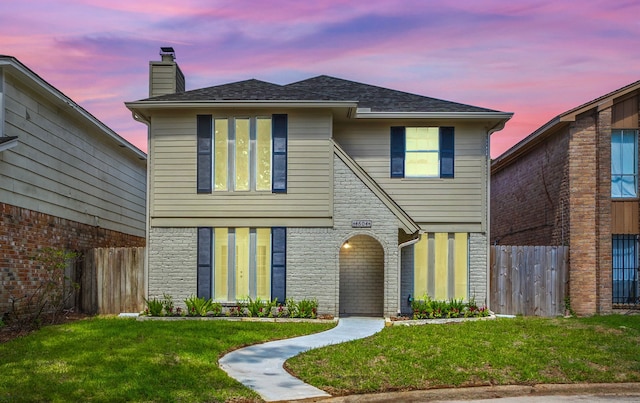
(23, 232)
(528, 197)
(603, 233)
(583, 174)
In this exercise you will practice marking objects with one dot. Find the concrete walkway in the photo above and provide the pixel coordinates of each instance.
(259, 367)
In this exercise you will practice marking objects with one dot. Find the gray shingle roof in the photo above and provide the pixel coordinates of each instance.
(322, 88)
(380, 99)
(247, 90)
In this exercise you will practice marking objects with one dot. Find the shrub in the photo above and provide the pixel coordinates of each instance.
(201, 306)
(53, 291)
(260, 308)
(305, 308)
(428, 308)
(154, 307)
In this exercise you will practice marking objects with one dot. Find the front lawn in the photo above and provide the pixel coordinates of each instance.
(118, 360)
(498, 352)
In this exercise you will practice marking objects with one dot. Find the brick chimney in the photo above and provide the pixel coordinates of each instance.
(165, 76)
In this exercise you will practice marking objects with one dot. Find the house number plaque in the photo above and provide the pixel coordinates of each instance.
(361, 224)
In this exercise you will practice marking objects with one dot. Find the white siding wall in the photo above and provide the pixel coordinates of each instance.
(448, 205)
(67, 168)
(175, 202)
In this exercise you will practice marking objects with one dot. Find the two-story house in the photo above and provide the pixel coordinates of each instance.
(574, 182)
(353, 194)
(67, 181)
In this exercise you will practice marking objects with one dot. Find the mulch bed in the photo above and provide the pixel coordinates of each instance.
(10, 332)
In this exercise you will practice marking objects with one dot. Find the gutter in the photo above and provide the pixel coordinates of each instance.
(238, 103)
(365, 113)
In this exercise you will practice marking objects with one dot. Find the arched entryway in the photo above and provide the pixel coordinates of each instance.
(361, 277)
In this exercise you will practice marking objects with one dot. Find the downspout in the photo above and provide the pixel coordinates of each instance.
(400, 247)
(147, 221)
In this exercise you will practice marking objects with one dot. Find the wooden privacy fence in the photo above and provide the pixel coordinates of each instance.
(112, 281)
(529, 280)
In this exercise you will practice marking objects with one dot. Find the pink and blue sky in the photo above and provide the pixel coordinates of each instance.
(534, 58)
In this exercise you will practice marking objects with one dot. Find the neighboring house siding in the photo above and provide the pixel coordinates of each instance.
(173, 172)
(566, 169)
(65, 168)
(439, 205)
(539, 180)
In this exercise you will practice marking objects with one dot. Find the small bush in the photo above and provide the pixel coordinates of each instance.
(201, 306)
(154, 307)
(260, 308)
(428, 308)
(53, 291)
(305, 308)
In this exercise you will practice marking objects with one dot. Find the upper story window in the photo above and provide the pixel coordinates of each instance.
(422, 152)
(242, 153)
(624, 163)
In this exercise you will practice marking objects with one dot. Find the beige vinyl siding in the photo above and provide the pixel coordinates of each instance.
(173, 195)
(67, 168)
(432, 202)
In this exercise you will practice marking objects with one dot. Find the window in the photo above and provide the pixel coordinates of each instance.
(422, 152)
(236, 263)
(624, 163)
(625, 269)
(440, 266)
(242, 154)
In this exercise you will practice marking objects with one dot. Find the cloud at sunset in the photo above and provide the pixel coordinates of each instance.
(536, 59)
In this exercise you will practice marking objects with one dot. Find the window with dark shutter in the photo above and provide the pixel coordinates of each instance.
(204, 126)
(422, 152)
(278, 263)
(279, 166)
(397, 151)
(205, 246)
(446, 152)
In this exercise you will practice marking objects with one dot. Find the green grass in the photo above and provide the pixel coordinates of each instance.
(118, 360)
(498, 352)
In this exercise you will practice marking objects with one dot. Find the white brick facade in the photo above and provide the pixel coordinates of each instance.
(478, 266)
(313, 255)
(172, 262)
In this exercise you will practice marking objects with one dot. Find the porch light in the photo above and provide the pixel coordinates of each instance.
(346, 245)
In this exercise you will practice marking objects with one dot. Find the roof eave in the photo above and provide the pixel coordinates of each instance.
(238, 103)
(527, 143)
(56, 94)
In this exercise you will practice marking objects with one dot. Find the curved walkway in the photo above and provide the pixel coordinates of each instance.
(259, 367)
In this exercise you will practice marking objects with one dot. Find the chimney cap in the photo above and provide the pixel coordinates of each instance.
(166, 50)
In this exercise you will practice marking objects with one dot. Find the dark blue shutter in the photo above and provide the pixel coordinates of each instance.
(397, 151)
(204, 126)
(278, 263)
(205, 262)
(446, 152)
(279, 130)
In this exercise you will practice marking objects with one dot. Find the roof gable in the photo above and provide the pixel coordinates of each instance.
(559, 121)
